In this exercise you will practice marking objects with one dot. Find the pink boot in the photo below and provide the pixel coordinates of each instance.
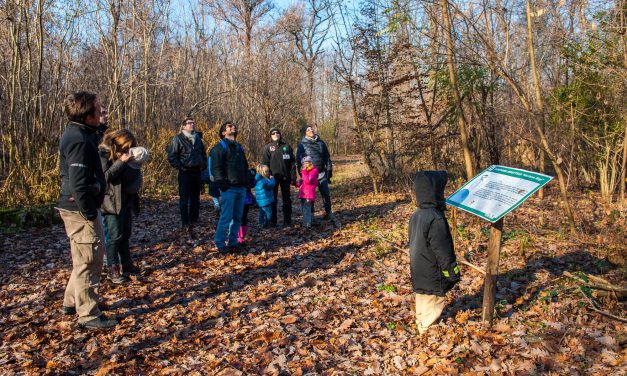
(241, 235)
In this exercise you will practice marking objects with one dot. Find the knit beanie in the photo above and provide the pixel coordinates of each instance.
(303, 129)
(140, 156)
(275, 130)
(307, 159)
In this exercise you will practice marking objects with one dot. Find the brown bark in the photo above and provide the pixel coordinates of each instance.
(461, 119)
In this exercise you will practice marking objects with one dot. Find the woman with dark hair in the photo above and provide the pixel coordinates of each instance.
(121, 160)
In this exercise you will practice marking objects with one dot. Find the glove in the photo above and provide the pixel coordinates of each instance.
(452, 273)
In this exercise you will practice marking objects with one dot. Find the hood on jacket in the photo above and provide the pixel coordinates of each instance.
(310, 140)
(429, 189)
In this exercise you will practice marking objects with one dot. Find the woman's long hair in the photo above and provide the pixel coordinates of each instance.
(118, 142)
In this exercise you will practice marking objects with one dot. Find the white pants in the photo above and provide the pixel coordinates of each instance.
(428, 310)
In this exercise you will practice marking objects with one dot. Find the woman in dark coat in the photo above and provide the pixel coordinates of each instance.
(124, 179)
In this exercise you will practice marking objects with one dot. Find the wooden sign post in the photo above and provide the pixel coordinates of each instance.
(490, 195)
(492, 271)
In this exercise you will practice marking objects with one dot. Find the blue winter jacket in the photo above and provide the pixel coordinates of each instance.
(264, 190)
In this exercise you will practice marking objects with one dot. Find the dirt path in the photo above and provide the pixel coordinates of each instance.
(332, 300)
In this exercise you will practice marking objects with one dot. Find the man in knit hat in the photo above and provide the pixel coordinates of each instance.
(311, 145)
(229, 169)
(187, 154)
(280, 157)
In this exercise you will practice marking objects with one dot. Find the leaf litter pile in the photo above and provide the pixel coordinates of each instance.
(336, 299)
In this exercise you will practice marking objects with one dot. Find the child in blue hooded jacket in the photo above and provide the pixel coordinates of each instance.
(264, 185)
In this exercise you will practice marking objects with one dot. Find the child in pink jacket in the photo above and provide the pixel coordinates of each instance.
(307, 192)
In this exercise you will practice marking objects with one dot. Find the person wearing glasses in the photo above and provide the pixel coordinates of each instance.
(229, 169)
(279, 156)
(187, 154)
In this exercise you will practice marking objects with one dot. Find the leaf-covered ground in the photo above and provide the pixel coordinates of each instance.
(333, 300)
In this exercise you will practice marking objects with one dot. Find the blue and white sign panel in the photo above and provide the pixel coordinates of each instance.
(497, 191)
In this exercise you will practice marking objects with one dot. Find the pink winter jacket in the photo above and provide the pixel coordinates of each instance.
(308, 184)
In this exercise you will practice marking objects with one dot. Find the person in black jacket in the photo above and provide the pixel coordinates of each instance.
(229, 169)
(433, 265)
(311, 145)
(82, 192)
(187, 154)
(279, 156)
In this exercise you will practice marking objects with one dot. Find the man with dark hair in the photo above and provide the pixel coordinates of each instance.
(82, 193)
(187, 154)
(229, 169)
(279, 156)
(311, 145)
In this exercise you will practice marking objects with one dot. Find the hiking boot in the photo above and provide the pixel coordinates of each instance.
(328, 217)
(100, 322)
(65, 310)
(190, 231)
(130, 269)
(234, 247)
(287, 224)
(114, 275)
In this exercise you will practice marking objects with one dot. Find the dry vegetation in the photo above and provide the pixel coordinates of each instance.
(335, 300)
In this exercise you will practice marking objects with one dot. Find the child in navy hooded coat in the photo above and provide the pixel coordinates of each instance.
(433, 265)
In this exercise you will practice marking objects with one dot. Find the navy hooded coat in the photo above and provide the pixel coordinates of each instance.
(433, 265)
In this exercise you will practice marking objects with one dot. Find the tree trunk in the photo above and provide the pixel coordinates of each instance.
(536, 88)
(461, 120)
(623, 169)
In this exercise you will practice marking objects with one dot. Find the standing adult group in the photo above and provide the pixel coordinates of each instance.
(231, 180)
(101, 178)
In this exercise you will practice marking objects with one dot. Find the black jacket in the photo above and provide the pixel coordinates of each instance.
(185, 156)
(319, 152)
(229, 166)
(119, 176)
(82, 180)
(279, 156)
(433, 265)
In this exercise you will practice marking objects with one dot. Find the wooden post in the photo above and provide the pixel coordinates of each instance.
(492, 270)
(454, 225)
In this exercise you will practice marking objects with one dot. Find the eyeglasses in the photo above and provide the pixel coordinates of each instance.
(275, 132)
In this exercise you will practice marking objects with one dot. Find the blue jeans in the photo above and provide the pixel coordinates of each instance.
(189, 196)
(118, 229)
(265, 215)
(232, 209)
(307, 207)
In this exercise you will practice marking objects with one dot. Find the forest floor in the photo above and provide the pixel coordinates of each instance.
(335, 299)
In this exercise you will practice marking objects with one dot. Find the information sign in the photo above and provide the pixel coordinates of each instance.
(496, 191)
